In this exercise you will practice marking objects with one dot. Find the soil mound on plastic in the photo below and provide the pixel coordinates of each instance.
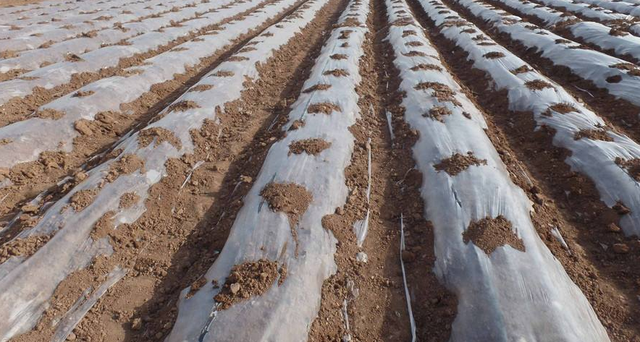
(490, 233)
(309, 146)
(291, 199)
(458, 163)
(250, 279)
(160, 135)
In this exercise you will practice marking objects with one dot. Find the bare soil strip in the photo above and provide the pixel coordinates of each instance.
(562, 199)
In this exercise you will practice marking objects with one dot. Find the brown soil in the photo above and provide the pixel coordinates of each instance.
(82, 199)
(309, 146)
(632, 167)
(128, 200)
(336, 73)
(458, 163)
(50, 114)
(182, 106)
(250, 279)
(291, 199)
(562, 108)
(317, 87)
(127, 164)
(22, 247)
(538, 85)
(493, 55)
(158, 135)
(438, 113)
(324, 108)
(593, 134)
(490, 233)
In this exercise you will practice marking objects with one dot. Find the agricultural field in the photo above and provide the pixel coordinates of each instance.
(320, 170)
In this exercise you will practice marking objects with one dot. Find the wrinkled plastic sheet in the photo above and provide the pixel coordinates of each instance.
(508, 295)
(62, 72)
(285, 312)
(32, 59)
(593, 158)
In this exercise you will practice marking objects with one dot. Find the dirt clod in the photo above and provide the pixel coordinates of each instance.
(250, 279)
(458, 163)
(490, 233)
(309, 146)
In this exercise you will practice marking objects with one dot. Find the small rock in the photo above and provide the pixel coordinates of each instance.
(339, 211)
(621, 248)
(621, 209)
(245, 179)
(80, 176)
(235, 287)
(71, 337)
(612, 227)
(362, 257)
(29, 208)
(136, 324)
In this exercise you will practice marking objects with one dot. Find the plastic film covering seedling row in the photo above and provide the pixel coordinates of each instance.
(304, 247)
(507, 287)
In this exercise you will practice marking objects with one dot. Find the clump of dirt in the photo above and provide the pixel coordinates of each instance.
(195, 286)
(632, 166)
(82, 93)
(319, 86)
(413, 43)
(438, 113)
(128, 200)
(201, 87)
(562, 108)
(469, 30)
(289, 198)
(458, 163)
(237, 59)
(614, 79)
(493, 55)
(490, 233)
(50, 114)
(103, 226)
(632, 69)
(323, 107)
(5, 141)
(182, 106)
(349, 22)
(617, 32)
(296, 124)
(415, 54)
(159, 135)
(442, 92)
(73, 58)
(423, 66)
(309, 146)
(563, 41)
(22, 247)
(336, 72)
(223, 73)
(407, 33)
(338, 56)
(538, 85)
(126, 165)
(402, 22)
(593, 134)
(250, 279)
(84, 126)
(82, 199)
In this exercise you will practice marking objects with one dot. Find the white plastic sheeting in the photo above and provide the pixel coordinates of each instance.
(26, 285)
(33, 136)
(79, 24)
(61, 73)
(618, 7)
(111, 35)
(591, 32)
(285, 312)
(509, 295)
(593, 158)
(583, 9)
(8, 15)
(588, 64)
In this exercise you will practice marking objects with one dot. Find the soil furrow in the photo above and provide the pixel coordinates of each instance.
(563, 199)
(183, 235)
(369, 278)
